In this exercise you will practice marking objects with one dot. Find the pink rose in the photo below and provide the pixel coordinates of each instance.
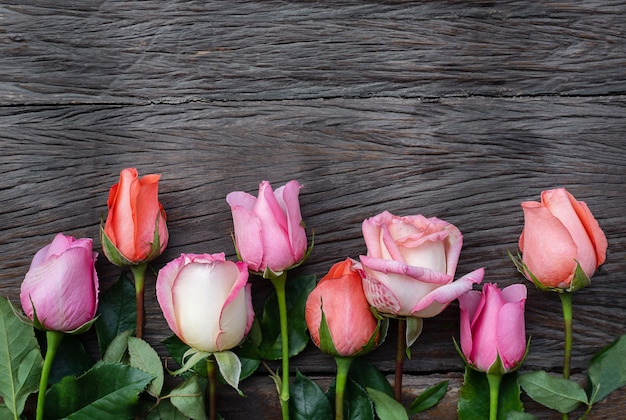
(135, 231)
(339, 297)
(206, 300)
(61, 285)
(269, 231)
(410, 265)
(492, 326)
(559, 233)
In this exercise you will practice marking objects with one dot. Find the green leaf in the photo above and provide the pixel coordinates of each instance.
(607, 370)
(553, 392)
(116, 351)
(165, 410)
(248, 353)
(474, 396)
(71, 358)
(297, 290)
(229, 366)
(429, 398)
(518, 415)
(20, 359)
(105, 391)
(117, 312)
(368, 376)
(144, 357)
(5, 413)
(357, 404)
(307, 401)
(188, 398)
(386, 407)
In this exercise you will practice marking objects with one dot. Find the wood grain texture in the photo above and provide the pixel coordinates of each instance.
(152, 51)
(444, 108)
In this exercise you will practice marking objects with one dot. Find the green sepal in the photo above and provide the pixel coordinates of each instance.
(36, 323)
(189, 360)
(414, 328)
(579, 281)
(116, 257)
(497, 367)
(327, 344)
(110, 250)
(230, 368)
(272, 275)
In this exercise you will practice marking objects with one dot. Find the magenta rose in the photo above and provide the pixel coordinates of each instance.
(61, 286)
(410, 265)
(269, 231)
(493, 334)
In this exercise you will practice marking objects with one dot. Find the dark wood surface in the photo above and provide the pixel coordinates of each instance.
(459, 110)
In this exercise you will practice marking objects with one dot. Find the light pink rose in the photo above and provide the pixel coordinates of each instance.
(339, 296)
(206, 300)
(410, 265)
(62, 284)
(558, 233)
(269, 232)
(492, 325)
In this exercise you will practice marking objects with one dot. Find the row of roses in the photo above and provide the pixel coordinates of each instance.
(407, 274)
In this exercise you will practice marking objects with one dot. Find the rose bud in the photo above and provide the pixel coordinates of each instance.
(269, 232)
(560, 234)
(60, 290)
(135, 231)
(206, 300)
(493, 335)
(410, 264)
(338, 302)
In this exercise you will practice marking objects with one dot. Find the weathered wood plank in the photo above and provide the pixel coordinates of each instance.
(180, 51)
(448, 109)
(355, 159)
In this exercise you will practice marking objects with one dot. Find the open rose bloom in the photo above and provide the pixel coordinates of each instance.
(493, 332)
(61, 286)
(206, 300)
(339, 299)
(269, 232)
(559, 234)
(410, 265)
(135, 231)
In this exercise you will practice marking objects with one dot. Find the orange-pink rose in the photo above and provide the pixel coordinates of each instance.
(560, 233)
(339, 297)
(135, 231)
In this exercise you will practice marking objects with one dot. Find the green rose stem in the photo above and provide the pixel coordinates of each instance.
(494, 390)
(212, 374)
(343, 366)
(139, 272)
(400, 352)
(566, 302)
(53, 340)
(279, 283)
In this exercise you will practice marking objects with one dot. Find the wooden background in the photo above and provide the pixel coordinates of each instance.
(459, 110)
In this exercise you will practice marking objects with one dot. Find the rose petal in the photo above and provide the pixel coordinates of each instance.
(553, 265)
(433, 303)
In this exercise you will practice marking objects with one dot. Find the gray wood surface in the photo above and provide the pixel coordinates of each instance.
(459, 110)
